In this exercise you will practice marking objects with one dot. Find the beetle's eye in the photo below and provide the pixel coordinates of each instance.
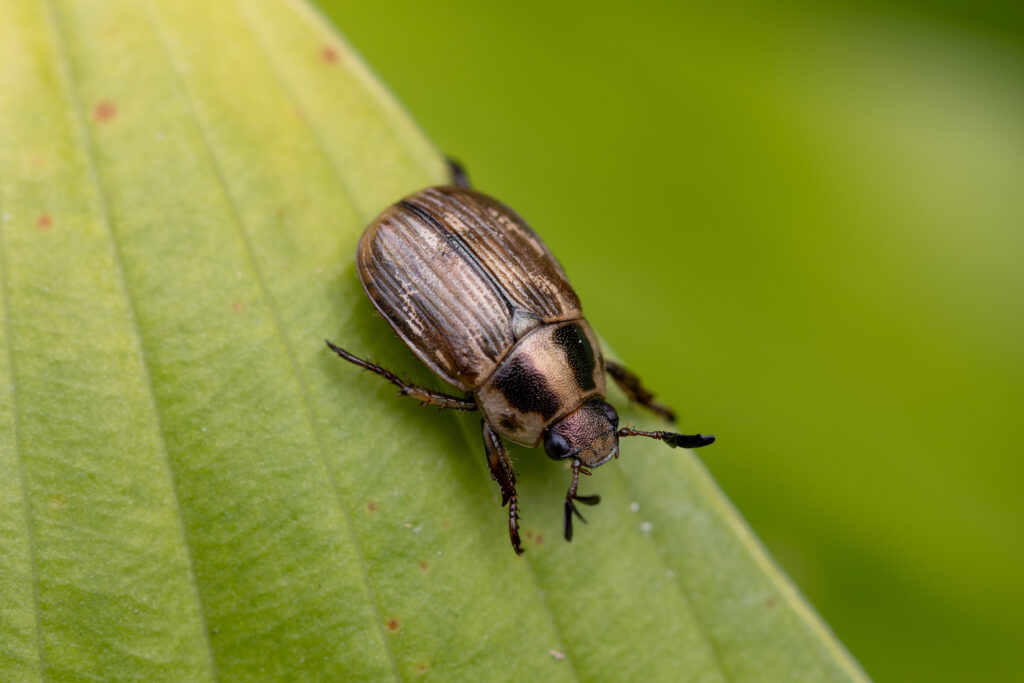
(555, 445)
(612, 415)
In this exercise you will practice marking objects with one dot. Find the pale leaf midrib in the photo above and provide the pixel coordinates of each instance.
(796, 603)
(682, 591)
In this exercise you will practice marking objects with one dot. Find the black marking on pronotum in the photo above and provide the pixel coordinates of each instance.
(578, 354)
(510, 423)
(526, 388)
(459, 245)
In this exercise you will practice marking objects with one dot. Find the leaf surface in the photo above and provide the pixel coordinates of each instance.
(193, 488)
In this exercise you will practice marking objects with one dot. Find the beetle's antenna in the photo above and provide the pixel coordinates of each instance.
(671, 438)
(570, 496)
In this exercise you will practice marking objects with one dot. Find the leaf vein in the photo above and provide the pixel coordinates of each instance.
(19, 455)
(346, 187)
(278, 326)
(68, 77)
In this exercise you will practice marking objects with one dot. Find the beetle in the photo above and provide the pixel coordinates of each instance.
(480, 300)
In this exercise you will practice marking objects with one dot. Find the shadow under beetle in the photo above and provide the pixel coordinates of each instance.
(480, 299)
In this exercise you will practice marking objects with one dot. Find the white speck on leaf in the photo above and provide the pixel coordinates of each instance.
(634, 506)
(645, 527)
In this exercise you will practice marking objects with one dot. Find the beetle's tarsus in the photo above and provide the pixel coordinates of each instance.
(513, 524)
(503, 473)
(634, 389)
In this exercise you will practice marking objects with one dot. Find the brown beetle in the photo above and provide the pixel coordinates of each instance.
(480, 299)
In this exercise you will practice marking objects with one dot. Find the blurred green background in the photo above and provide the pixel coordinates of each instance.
(804, 227)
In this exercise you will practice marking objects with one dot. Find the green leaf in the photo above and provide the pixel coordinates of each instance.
(192, 487)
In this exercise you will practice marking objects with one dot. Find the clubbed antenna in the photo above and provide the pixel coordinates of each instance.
(671, 438)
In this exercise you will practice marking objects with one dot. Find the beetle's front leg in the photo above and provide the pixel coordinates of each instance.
(502, 472)
(426, 397)
(630, 384)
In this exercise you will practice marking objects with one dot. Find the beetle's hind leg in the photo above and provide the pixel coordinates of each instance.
(630, 384)
(457, 173)
(502, 472)
(425, 396)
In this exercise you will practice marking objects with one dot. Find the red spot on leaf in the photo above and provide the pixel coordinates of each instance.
(538, 539)
(424, 566)
(330, 55)
(105, 110)
(421, 669)
(770, 602)
(238, 306)
(529, 534)
(371, 506)
(44, 222)
(394, 625)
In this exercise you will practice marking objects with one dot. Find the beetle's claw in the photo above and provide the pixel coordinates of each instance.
(517, 545)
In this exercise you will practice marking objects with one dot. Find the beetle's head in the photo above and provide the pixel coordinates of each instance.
(587, 434)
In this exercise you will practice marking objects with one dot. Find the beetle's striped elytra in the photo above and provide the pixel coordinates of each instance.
(478, 298)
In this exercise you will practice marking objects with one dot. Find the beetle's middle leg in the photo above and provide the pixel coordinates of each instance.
(502, 472)
(630, 384)
(425, 396)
